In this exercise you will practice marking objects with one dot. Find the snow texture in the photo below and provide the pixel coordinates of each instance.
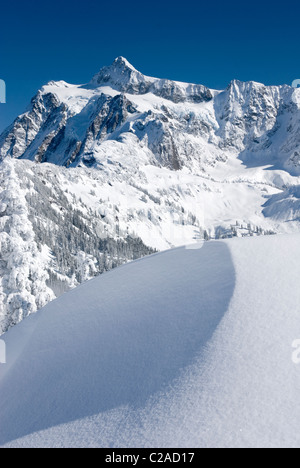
(188, 348)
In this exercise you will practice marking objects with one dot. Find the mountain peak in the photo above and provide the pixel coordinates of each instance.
(124, 78)
(123, 63)
(120, 75)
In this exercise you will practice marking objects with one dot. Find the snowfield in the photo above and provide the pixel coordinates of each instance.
(187, 348)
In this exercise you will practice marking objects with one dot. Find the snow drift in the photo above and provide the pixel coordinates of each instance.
(191, 347)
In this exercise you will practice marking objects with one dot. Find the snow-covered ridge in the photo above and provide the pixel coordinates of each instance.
(122, 76)
(188, 348)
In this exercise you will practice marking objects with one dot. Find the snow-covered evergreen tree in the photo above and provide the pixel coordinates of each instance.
(86, 267)
(23, 276)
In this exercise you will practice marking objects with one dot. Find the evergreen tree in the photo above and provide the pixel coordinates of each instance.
(23, 276)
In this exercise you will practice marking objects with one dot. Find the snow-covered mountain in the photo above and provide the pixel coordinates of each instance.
(133, 163)
(186, 348)
(170, 124)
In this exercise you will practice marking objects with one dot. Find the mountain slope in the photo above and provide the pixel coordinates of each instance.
(192, 350)
(51, 239)
(127, 164)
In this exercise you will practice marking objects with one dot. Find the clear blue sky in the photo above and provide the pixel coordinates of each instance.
(203, 42)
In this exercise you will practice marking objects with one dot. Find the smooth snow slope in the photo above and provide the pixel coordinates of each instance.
(191, 347)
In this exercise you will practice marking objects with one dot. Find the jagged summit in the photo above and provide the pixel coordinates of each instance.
(122, 62)
(119, 66)
(122, 76)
